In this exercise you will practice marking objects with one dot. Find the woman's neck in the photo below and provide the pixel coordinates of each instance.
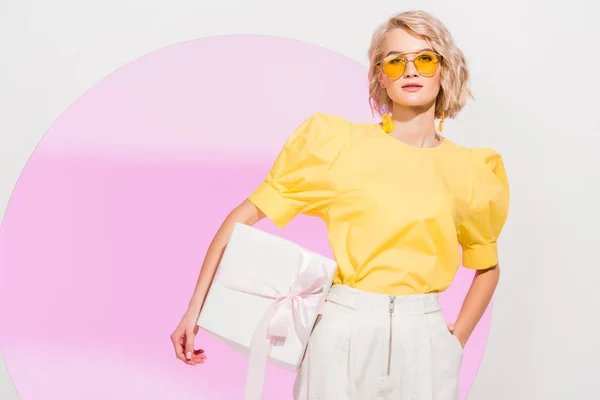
(415, 126)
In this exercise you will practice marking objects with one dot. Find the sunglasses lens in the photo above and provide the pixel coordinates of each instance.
(393, 67)
(426, 63)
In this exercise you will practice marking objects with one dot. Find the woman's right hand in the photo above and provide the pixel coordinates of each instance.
(183, 341)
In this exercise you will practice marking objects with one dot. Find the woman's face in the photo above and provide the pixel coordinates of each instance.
(411, 88)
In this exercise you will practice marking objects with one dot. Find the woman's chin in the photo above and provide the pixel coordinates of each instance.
(415, 103)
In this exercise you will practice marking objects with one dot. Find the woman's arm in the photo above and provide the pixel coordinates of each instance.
(477, 299)
(246, 213)
(183, 336)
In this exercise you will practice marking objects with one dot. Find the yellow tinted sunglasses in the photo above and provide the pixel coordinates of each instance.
(426, 63)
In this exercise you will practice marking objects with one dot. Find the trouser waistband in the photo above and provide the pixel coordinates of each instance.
(362, 301)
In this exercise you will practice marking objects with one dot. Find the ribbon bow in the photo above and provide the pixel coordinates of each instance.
(288, 312)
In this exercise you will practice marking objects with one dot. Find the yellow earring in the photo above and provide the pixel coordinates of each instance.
(388, 124)
(441, 123)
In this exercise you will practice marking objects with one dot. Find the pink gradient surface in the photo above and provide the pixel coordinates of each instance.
(105, 232)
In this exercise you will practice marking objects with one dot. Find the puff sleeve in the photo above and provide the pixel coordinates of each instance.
(298, 180)
(487, 210)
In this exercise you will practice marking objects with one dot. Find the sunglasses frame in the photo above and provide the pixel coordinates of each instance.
(406, 61)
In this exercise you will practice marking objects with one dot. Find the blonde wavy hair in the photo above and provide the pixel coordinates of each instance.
(454, 91)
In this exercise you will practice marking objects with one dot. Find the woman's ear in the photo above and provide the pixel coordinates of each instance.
(381, 78)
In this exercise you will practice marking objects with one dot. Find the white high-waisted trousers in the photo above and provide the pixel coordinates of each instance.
(368, 346)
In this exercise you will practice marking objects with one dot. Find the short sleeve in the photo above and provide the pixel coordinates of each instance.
(487, 210)
(298, 180)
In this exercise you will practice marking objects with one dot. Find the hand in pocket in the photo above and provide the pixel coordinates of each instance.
(451, 328)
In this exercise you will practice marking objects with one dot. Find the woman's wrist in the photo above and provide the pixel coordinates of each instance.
(461, 335)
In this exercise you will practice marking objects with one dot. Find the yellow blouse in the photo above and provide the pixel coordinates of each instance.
(395, 214)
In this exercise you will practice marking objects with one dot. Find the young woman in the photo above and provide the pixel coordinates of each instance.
(398, 200)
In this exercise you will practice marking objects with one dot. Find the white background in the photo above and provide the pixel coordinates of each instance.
(535, 76)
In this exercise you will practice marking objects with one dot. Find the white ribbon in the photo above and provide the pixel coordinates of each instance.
(289, 311)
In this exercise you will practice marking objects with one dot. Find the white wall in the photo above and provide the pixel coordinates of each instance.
(536, 92)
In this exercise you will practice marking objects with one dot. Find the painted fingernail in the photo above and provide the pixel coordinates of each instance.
(188, 355)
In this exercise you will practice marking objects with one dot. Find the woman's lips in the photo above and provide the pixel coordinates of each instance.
(412, 87)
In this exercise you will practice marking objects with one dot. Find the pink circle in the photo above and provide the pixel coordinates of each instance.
(107, 227)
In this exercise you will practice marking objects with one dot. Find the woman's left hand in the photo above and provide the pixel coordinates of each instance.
(460, 340)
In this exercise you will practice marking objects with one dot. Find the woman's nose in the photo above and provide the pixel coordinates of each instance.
(411, 70)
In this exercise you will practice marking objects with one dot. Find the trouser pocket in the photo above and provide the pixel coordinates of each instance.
(444, 342)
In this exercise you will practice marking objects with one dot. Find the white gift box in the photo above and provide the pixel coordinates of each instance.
(265, 299)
